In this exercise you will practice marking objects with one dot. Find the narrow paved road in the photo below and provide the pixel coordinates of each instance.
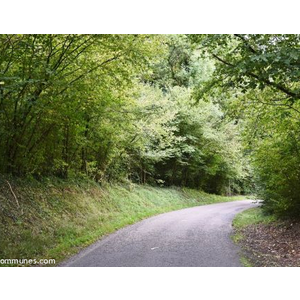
(192, 237)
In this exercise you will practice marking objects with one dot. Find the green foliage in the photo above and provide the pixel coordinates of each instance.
(206, 152)
(58, 95)
(114, 107)
(274, 139)
(180, 66)
(260, 73)
(255, 61)
(198, 146)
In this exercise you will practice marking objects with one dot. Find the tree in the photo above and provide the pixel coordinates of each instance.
(54, 90)
(261, 73)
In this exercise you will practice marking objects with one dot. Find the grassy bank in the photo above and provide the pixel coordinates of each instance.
(249, 217)
(252, 216)
(54, 219)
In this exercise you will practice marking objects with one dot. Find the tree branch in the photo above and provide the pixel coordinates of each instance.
(264, 80)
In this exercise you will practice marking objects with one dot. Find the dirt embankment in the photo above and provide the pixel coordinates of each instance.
(269, 245)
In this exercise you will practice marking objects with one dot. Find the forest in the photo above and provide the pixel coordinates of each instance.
(217, 113)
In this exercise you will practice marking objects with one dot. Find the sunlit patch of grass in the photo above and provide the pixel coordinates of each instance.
(245, 262)
(252, 216)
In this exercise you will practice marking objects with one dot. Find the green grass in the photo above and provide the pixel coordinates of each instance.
(245, 262)
(252, 216)
(57, 218)
(246, 218)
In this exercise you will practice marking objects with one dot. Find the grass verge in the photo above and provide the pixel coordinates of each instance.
(54, 218)
(249, 217)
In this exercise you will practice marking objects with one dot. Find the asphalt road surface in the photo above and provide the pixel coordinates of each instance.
(192, 237)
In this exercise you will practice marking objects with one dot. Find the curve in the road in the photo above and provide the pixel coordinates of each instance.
(192, 237)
